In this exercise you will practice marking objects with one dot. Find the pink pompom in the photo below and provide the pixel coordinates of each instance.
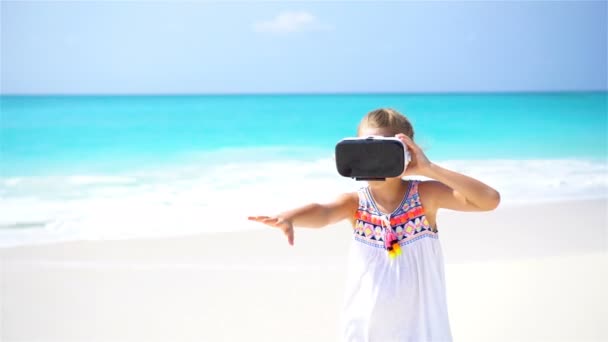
(390, 238)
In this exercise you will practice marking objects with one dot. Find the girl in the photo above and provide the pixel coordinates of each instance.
(395, 289)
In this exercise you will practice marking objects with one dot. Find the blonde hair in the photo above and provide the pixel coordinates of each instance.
(387, 118)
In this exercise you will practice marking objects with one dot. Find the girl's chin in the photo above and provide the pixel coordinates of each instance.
(386, 181)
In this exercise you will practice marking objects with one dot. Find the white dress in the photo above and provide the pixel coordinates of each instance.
(401, 298)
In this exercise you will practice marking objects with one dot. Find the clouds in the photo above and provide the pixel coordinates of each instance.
(290, 22)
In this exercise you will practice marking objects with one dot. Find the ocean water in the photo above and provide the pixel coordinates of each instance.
(113, 167)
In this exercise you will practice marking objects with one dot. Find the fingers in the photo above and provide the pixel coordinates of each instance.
(263, 219)
(256, 218)
(289, 234)
(408, 141)
(271, 221)
(276, 222)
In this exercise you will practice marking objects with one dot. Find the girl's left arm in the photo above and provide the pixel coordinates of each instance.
(450, 190)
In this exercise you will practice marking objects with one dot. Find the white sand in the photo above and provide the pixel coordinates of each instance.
(530, 273)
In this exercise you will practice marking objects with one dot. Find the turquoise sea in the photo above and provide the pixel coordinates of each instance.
(94, 167)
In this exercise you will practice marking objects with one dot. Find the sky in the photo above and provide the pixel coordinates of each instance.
(163, 47)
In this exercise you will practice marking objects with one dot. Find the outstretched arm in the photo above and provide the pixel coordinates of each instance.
(313, 215)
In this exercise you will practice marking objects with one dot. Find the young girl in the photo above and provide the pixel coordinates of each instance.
(395, 280)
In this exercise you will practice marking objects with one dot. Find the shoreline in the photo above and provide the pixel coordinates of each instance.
(468, 226)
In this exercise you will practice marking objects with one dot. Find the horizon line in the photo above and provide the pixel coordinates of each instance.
(485, 92)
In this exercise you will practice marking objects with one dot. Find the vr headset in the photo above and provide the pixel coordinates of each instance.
(371, 158)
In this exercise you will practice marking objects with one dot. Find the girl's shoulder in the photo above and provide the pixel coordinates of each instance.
(428, 191)
(348, 199)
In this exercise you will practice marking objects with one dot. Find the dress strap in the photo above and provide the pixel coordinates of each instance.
(364, 201)
(413, 199)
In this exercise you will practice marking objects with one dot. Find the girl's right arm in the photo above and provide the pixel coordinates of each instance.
(313, 215)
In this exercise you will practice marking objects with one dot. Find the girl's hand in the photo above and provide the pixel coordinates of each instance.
(275, 221)
(420, 164)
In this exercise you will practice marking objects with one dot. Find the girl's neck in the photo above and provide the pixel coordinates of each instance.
(389, 193)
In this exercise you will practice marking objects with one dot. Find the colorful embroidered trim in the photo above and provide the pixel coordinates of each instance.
(390, 231)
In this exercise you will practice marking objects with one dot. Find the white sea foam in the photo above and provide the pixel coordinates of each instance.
(204, 196)
(12, 181)
(93, 180)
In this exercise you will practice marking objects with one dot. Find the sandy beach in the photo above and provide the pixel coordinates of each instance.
(521, 273)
